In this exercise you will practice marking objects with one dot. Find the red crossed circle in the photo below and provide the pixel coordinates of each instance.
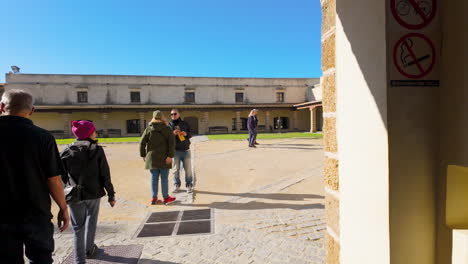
(415, 4)
(403, 41)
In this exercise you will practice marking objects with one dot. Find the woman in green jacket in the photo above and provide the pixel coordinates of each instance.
(157, 148)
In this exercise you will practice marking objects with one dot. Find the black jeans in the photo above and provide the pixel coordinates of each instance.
(36, 237)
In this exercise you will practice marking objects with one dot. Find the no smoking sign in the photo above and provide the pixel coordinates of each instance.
(414, 55)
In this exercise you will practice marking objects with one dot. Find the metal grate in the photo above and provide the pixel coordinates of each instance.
(194, 227)
(163, 217)
(196, 214)
(153, 230)
(177, 223)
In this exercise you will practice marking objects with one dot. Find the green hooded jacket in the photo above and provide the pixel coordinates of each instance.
(156, 144)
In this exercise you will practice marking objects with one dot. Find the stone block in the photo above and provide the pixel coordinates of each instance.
(332, 210)
(329, 135)
(331, 174)
(328, 15)
(328, 53)
(329, 93)
(333, 250)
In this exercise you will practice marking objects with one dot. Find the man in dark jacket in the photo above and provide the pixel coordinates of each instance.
(30, 171)
(182, 133)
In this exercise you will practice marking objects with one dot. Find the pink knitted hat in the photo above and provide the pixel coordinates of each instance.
(82, 129)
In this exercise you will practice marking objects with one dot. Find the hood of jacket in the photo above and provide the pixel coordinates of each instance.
(156, 127)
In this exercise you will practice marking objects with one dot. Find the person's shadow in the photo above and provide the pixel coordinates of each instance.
(150, 261)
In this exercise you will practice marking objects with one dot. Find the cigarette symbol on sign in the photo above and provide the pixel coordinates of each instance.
(414, 55)
(406, 57)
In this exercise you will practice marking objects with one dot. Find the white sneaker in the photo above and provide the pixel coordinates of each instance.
(189, 188)
(176, 188)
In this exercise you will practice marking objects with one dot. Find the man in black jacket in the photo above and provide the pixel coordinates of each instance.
(182, 133)
(30, 170)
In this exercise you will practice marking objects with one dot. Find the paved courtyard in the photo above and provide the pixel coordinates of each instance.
(267, 203)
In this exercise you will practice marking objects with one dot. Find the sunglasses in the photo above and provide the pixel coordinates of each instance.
(173, 114)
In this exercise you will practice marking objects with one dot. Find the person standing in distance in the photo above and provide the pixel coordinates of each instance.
(30, 171)
(252, 123)
(182, 133)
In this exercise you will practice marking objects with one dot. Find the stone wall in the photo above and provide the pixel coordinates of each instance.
(330, 140)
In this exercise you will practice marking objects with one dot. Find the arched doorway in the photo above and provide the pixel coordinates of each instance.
(193, 122)
(319, 118)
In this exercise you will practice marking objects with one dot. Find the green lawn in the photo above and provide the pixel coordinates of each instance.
(266, 135)
(102, 140)
(211, 137)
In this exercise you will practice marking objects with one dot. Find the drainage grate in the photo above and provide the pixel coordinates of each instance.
(163, 217)
(122, 254)
(153, 230)
(177, 223)
(196, 215)
(194, 227)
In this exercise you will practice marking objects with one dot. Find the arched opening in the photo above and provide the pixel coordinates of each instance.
(193, 122)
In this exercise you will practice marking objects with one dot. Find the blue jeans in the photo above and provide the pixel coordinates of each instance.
(252, 137)
(37, 238)
(185, 158)
(164, 182)
(84, 216)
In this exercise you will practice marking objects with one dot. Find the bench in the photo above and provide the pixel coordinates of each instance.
(218, 130)
(57, 133)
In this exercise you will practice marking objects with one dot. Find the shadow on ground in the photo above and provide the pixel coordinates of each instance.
(149, 261)
(270, 196)
(290, 147)
(259, 206)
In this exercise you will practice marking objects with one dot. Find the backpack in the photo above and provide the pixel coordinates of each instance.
(75, 161)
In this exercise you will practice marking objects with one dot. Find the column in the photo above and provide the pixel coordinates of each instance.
(142, 121)
(238, 121)
(295, 120)
(66, 125)
(105, 124)
(268, 120)
(204, 123)
(313, 119)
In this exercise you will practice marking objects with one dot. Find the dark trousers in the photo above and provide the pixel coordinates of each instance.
(37, 238)
(252, 137)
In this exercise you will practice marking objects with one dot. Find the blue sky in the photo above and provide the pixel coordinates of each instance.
(223, 38)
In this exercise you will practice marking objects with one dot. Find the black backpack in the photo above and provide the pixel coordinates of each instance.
(75, 162)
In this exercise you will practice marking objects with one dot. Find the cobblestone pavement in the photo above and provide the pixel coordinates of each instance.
(251, 226)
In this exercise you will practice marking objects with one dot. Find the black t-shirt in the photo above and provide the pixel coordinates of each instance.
(28, 157)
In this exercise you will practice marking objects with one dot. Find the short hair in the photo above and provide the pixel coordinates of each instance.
(175, 109)
(17, 101)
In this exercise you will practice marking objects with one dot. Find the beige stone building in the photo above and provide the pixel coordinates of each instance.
(123, 105)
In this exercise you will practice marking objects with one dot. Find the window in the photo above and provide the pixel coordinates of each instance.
(281, 122)
(133, 126)
(239, 97)
(234, 124)
(190, 97)
(135, 97)
(280, 97)
(82, 97)
(243, 123)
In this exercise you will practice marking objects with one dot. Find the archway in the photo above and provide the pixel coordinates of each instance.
(193, 122)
